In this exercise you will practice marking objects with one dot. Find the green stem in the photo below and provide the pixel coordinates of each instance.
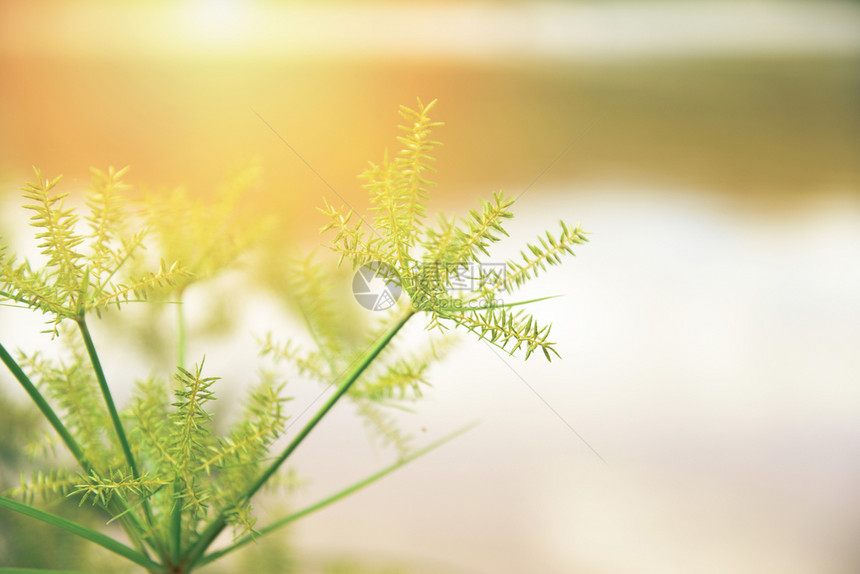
(46, 409)
(176, 522)
(215, 527)
(331, 499)
(64, 433)
(114, 415)
(82, 531)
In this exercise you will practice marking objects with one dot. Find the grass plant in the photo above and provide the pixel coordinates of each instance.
(156, 467)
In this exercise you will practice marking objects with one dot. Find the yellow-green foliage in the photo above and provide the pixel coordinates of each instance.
(159, 467)
(424, 259)
(82, 269)
(206, 237)
(178, 460)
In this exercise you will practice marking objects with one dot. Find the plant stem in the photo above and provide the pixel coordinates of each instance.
(46, 409)
(176, 522)
(333, 498)
(114, 415)
(82, 531)
(65, 435)
(214, 529)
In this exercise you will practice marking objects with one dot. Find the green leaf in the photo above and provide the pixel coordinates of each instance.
(549, 252)
(79, 530)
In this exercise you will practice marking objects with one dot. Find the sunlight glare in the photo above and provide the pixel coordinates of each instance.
(218, 20)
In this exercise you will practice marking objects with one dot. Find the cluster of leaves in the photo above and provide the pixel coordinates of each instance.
(178, 473)
(70, 383)
(338, 338)
(207, 237)
(75, 280)
(206, 474)
(433, 263)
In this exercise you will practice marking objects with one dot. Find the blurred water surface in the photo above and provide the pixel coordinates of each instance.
(772, 115)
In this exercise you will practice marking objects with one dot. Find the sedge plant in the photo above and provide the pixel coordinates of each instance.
(156, 466)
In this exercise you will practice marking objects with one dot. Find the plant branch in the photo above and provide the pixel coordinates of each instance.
(176, 521)
(138, 240)
(82, 531)
(65, 435)
(114, 415)
(214, 529)
(46, 409)
(333, 498)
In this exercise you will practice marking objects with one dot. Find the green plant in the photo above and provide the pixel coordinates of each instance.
(179, 486)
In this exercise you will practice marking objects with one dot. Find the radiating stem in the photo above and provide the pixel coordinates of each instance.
(114, 415)
(67, 438)
(176, 522)
(331, 499)
(214, 529)
(82, 531)
(46, 409)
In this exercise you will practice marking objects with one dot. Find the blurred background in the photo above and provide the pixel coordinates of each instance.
(710, 330)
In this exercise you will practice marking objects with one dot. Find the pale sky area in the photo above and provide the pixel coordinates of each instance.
(459, 31)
